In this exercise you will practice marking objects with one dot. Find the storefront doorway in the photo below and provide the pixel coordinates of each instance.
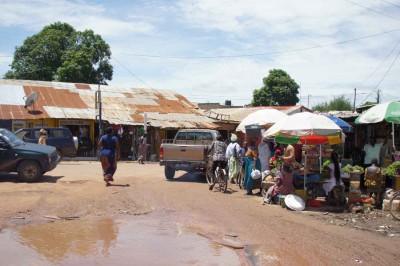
(82, 130)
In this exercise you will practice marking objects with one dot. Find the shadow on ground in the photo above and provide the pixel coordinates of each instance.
(196, 177)
(9, 177)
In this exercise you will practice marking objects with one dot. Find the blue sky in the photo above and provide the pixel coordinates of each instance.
(212, 51)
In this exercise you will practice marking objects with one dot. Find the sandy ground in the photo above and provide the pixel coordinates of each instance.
(272, 235)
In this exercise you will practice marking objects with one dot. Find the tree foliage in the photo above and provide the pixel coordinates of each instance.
(60, 53)
(279, 89)
(339, 103)
(368, 103)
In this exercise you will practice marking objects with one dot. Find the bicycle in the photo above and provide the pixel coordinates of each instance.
(221, 178)
(394, 208)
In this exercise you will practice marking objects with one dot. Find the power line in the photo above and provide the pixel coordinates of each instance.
(383, 61)
(373, 10)
(260, 54)
(132, 73)
(390, 3)
(394, 61)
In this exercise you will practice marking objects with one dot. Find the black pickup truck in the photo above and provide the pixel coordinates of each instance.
(29, 160)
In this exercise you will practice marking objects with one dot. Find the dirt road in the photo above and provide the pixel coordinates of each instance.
(273, 235)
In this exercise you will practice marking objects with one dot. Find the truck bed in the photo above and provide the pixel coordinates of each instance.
(184, 152)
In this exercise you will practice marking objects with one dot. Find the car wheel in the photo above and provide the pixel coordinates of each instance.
(29, 171)
(169, 172)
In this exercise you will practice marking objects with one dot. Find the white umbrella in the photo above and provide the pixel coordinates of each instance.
(261, 117)
(302, 125)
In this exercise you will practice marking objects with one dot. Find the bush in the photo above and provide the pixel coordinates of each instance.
(392, 170)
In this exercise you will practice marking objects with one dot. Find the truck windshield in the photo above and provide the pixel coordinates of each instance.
(10, 137)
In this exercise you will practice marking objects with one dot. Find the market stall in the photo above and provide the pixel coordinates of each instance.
(308, 129)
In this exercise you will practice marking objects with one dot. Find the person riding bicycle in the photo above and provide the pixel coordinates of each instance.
(219, 150)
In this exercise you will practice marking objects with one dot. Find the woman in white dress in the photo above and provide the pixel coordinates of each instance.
(264, 154)
(334, 179)
(232, 155)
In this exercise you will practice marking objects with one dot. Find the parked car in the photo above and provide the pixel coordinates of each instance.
(29, 160)
(59, 137)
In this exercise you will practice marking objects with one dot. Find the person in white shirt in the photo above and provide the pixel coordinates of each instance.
(232, 155)
(264, 154)
(372, 150)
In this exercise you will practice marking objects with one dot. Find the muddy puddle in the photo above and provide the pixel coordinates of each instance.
(141, 241)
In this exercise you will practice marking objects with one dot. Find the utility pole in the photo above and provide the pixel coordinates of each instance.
(99, 106)
(308, 100)
(377, 96)
(354, 103)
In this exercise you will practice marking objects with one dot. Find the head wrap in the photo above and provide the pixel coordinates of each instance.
(233, 137)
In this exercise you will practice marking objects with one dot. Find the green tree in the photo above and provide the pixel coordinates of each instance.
(279, 89)
(339, 103)
(321, 107)
(368, 103)
(60, 53)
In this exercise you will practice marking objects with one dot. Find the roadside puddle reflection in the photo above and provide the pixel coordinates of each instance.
(140, 241)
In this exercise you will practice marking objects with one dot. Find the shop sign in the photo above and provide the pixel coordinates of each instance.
(18, 124)
(74, 122)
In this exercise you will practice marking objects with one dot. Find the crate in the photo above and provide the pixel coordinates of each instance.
(396, 205)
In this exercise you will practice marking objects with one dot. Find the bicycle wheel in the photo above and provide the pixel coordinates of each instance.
(223, 181)
(394, 207)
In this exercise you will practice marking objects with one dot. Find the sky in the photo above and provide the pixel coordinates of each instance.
(217, 50)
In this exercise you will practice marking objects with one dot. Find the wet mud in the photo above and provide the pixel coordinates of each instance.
(150, 240)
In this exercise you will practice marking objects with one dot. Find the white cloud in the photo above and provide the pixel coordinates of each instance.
(35, 14)
(231, 27)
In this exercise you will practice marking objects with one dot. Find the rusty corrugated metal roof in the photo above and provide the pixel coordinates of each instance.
(120, 105)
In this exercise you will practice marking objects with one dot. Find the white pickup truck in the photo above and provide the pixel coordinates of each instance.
(187, 151)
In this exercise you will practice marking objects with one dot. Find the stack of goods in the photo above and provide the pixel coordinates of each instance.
(312, 157)
(354, 190)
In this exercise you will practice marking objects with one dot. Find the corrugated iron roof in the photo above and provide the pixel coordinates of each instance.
(342, 114)
(120, 105)
(236, 115)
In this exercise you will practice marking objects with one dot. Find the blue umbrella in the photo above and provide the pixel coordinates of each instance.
(346, 127)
